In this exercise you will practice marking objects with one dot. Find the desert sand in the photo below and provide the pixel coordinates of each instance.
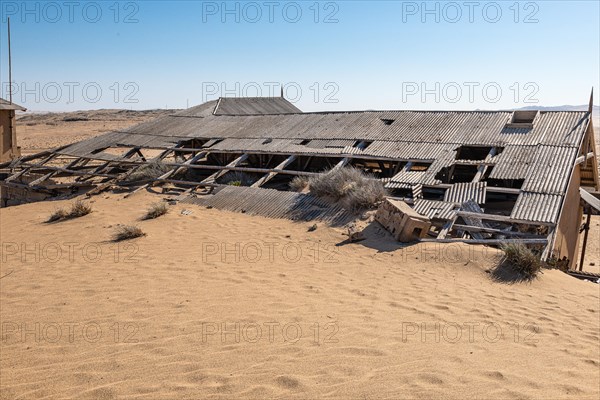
(44, 131)
(212, 304)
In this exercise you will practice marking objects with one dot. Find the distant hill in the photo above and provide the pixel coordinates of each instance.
(584, 107)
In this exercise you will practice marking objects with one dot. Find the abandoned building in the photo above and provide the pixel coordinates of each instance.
(475, 176)
(8, 133)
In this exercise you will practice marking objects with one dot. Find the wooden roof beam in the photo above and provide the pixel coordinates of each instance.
(223, 170)
(271, 175)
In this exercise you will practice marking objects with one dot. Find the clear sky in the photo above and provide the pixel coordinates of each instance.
(343, 55)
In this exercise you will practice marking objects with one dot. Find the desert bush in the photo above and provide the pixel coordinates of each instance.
(299, 183)
(522, 260)
(149, 171)
(236, 178)
(126, 232)
(58, 215)
(366, 195)
(156, 210)
(357, 190)
(335, 183)
(78, 209)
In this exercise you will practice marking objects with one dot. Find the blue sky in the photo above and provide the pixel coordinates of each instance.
(344, 55)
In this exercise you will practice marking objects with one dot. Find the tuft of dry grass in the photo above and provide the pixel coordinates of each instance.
(58, 215)
(236, 178)
(78, 209)
(148, 171)
(156, 210)
(126, 232)
(357, 190)
(519, 263)
(299, 183)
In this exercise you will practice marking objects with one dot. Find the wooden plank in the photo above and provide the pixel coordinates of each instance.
(171, 172)
(15, 162)
(186, 183)
(270, 175)
(184, 166)
(473, 207)
(344, 161)
(584, 158)
(296, 153)
(447, 226)
(471, 228)
(107, 164)
(484, 165)
(41, 154)
(28, 167)
(226, 169)
(100, 188)
(50, 174)
(24, 186)
(253, 169)
(589, 198)
(500, 218)
(74, 171)
(487, 241)
(138, 164)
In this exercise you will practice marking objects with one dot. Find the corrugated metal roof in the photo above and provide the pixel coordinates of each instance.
(397, 185)
(435, 209)
(550, 169)
(537, 207)
(513, 162)
(273, 204)
(542, 155)
(409, 177)
(254, 106)
(426, 128)
(462, 192)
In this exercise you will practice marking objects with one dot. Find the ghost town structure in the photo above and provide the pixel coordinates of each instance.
(477, 176)
(8, 133)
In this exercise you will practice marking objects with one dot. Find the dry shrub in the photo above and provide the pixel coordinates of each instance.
(156, 210)
(236, 178)
(299, 183)
(78, 209)
(126, 232)
(521, 260)
(149, 171)
(365, 196)
(357, 190)
(58, 215)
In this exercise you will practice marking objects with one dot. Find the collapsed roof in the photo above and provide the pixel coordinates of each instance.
(514, 164)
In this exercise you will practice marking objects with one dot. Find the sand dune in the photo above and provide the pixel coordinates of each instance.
(220, 305)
